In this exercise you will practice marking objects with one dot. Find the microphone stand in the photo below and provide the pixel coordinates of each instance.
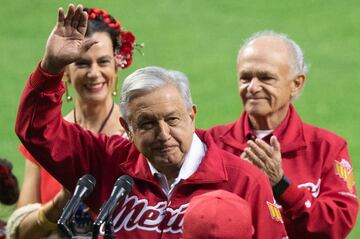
(109, 228)
(64, 227)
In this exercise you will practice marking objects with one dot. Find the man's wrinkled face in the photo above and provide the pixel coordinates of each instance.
(264, 77)
(162, 126)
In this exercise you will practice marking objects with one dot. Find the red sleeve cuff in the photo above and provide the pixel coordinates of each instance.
(45, 81)
(291, 196)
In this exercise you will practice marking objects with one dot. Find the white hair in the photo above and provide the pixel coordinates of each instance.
(148, 79)
(297, 65)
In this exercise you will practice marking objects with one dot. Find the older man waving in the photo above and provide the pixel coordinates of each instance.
(168, 159)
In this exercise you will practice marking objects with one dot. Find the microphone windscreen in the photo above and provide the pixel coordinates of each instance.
(87, 181)
(125, 182)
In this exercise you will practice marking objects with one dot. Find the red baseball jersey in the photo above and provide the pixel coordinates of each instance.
(321, 201)
(67, 152)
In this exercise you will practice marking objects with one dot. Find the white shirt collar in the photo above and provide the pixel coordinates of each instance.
(262, 133)
(191, 163)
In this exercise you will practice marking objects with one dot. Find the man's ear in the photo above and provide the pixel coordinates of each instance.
(193, 115)
(126, 127)
(297, 85)
(193, 112)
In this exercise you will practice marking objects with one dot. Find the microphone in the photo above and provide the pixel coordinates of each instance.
(122, 187)
(84, 187)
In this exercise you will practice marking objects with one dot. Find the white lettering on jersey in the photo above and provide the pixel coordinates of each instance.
(313, 188)
(136, 213)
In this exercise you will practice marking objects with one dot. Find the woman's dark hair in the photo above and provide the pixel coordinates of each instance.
(97, 25)
(123, 41)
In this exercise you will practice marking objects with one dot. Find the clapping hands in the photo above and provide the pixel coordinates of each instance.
(266, 157)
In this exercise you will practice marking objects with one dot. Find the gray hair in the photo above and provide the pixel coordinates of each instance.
(298, 65)
(150, 78)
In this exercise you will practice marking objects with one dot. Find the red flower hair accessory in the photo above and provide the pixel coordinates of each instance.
(123, 55)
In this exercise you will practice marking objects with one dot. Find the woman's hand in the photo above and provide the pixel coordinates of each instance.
(61, 198)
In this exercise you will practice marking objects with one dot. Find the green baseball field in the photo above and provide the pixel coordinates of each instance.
(201, 38)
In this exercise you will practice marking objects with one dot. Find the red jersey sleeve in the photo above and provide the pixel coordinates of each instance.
(64, 149)
(267, 218)
(335, 203)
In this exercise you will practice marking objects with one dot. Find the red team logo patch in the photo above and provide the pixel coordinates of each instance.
(344, 170)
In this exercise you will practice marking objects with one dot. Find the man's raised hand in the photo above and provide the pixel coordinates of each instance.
(67, 40)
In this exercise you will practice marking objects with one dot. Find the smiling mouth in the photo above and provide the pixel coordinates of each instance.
(95, 87)
(254, 99)
(165, 149)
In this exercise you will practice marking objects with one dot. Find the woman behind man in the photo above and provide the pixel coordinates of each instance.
(94, 79)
